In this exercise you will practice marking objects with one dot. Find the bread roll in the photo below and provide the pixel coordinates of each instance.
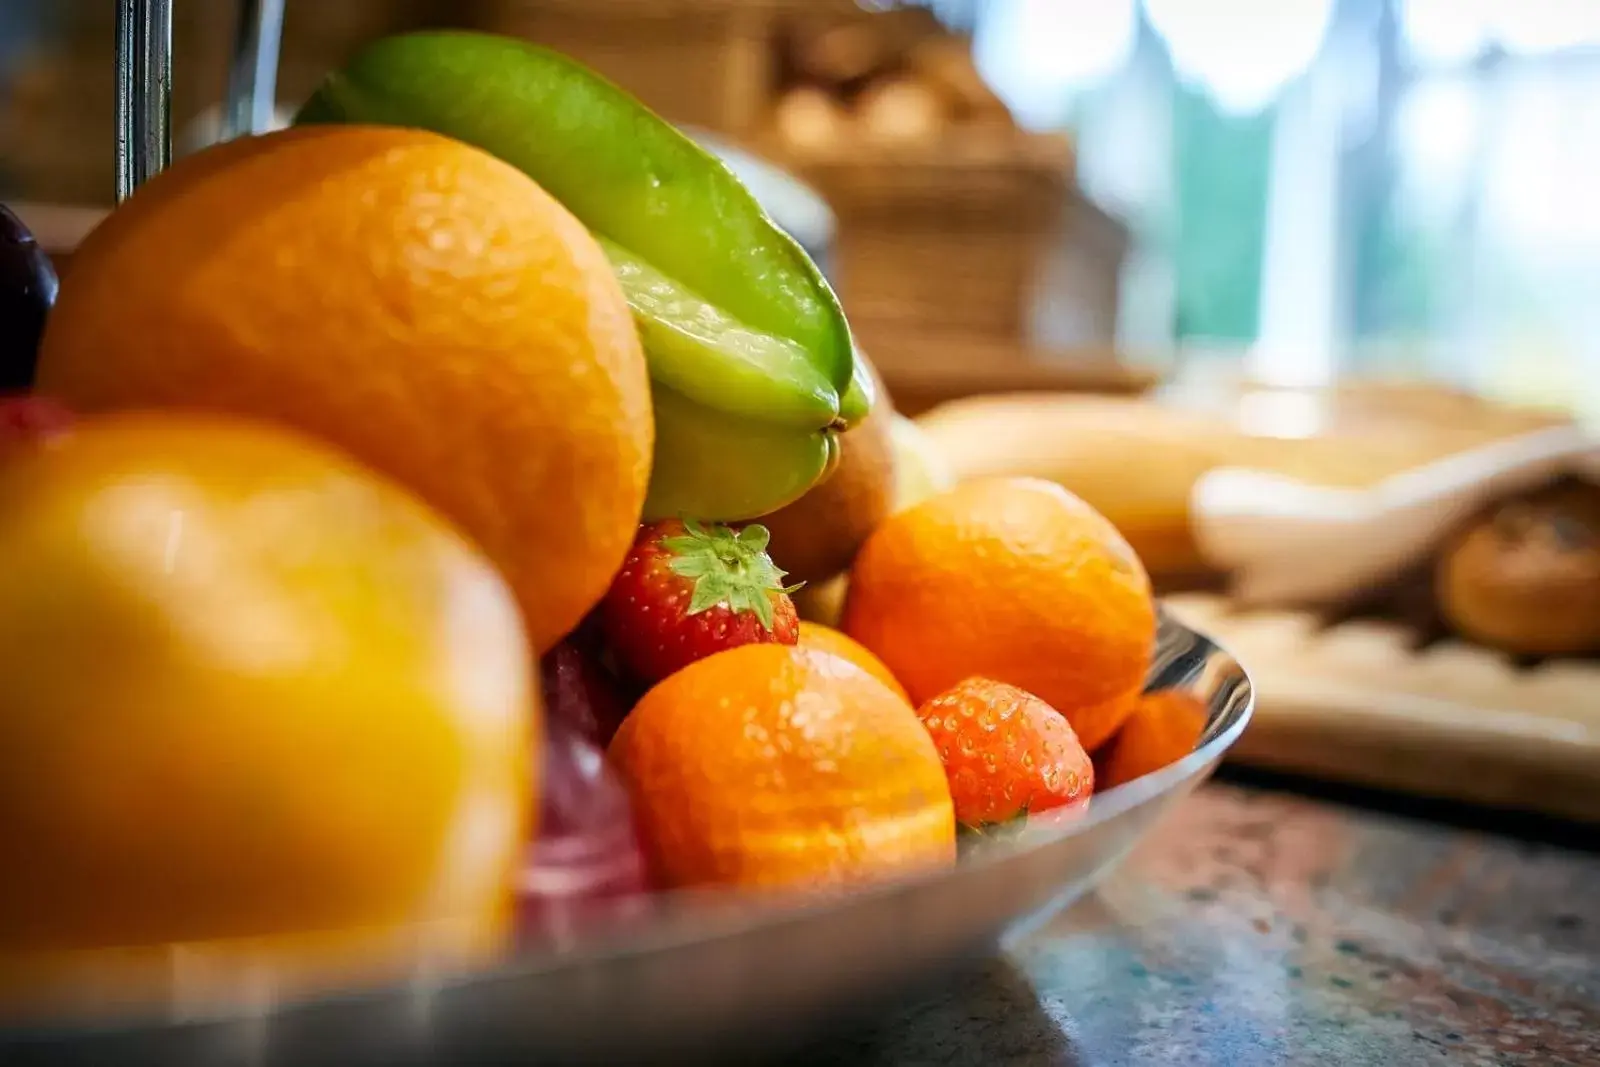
(1525, 576)
(809, 120)
(901, 111)
(945, 63)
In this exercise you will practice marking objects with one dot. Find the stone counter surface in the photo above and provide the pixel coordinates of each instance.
(1262, 928)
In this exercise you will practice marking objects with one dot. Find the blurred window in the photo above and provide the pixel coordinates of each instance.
(1399, 186)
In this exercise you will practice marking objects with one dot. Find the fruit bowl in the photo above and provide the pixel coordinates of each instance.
(703, 975)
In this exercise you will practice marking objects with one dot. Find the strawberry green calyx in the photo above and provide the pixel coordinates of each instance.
(729, 567)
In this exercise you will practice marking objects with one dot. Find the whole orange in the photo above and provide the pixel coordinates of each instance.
(258, 701)
(1164, 728)
(822, 638)
(775, 766)
(1013, 579)
(415, 301)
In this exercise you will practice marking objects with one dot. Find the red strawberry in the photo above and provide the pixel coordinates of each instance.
(1006, 752)
(687, 591)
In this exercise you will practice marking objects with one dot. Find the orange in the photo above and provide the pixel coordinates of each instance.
(822, 638)
(1164, 728)
(255, 697)
(774, 766)
(1013, 579)
(417, 302)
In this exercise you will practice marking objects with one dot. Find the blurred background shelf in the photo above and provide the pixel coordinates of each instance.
(706, 63)
(923, 371)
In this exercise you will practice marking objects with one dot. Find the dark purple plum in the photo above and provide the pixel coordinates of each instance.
(27, 293)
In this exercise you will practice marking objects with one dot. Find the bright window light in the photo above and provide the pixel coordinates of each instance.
(1538, 26)
(1541, 177)
(1437, 129)
(1036, 54)
(1241, 52)
(1447, 32)
(1454, 32)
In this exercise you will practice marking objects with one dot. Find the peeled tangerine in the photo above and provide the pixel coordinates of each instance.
(266, 722)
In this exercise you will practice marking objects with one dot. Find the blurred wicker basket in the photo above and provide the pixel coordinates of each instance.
(706, 63)
(320, 36)
(945, 239)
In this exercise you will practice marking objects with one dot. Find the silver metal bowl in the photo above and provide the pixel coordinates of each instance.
(709, 976)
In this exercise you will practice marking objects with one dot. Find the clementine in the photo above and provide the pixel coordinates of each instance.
(822, 638)
(258, 702)
(415, 301)
(1163, 728)
(775, 766)
(1013, 579)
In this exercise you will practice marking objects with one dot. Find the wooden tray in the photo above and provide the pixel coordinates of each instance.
(1354, 702)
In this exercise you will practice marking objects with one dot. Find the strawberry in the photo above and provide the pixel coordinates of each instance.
(688, 590)
(1006, 753)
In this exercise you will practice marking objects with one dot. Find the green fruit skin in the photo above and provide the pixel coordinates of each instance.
(701, 353)
(859, 399)
(627, 174)
(718, 467)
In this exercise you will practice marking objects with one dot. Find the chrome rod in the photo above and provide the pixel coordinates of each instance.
(127, 60)
(253, 73)
(144, 91)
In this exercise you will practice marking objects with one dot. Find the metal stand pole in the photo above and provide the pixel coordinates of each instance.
(144, 91)
(144, 82)
(253, 75)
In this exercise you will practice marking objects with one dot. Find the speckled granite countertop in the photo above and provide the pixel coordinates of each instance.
(1264, 928)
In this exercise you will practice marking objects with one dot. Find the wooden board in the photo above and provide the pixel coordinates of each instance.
(1355, 703)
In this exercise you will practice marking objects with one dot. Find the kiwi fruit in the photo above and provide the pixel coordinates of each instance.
(817, 536)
